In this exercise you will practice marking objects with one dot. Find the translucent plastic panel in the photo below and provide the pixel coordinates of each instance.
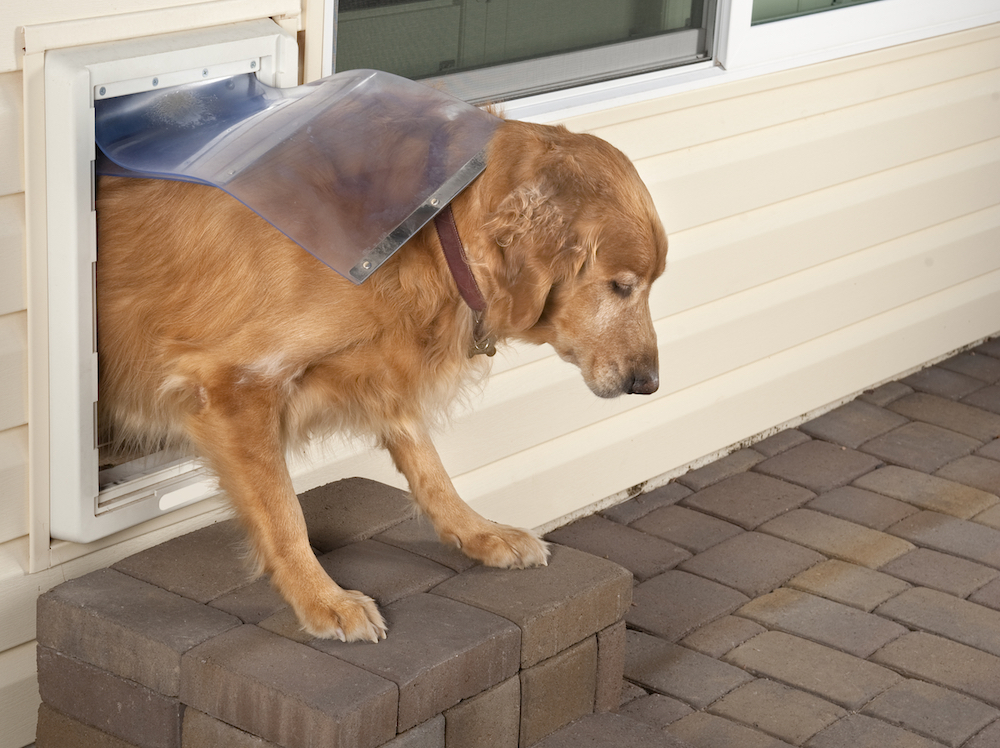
(348, 167)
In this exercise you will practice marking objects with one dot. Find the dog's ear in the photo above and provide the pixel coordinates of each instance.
(533, 228)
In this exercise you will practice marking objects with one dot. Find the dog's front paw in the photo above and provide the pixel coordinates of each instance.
(346, 615)
(506, 547)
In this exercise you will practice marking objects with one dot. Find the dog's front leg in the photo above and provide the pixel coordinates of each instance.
(455, 521)
(236, 426)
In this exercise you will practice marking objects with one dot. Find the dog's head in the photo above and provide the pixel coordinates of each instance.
(578, 244)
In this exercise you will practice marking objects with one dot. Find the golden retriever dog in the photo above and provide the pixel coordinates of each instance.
(217, 332)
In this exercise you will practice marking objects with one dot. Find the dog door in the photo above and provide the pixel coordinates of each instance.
(87, 500)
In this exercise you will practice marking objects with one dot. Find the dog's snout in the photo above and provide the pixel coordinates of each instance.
(644, 382)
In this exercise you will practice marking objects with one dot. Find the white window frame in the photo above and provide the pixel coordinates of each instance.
(743, 50)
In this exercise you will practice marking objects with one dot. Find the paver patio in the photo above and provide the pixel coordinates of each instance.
(836, 585)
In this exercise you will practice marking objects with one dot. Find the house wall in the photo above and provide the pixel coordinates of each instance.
(830, 226)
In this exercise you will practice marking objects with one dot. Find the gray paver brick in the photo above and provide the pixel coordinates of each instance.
(417, 536)
(439, 652)
(823, 621)
(284, 691)
(428, 735)
(859, 730)
(988, 595)
(990, 450)
(885, 394)
(351, 510)
(610, 666)
(946, 615)
(787, 713)
(733, 463)
(555, 606)
(852, 424)
(988, 398)
(56, 730)
(988, 738)
(676, 603)
(383, 572)
(202, 731)
(656, 710)
(837, 538)
(558, 691)
(749, 499)
(675, 671)
(490, 718)
(932, 711)
(704, 730)
(629, 511)
(927, 491)
(752, 563)
(818, 465)
(939, 381)
(688, 528)
(861, 507)
(928, 568)
(951, 535)
(780, 442)
(850, 584)
(114, 705)
(962, 419)
(921, 446)
(973, 470)
(722, 635)
(643, 554)
(828, 673)
(947, 663)
(973, 364)
(201, 565)
(251, 603)
(989, 347)
(610, 731)
(127, 627)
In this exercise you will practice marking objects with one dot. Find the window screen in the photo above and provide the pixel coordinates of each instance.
(491, 50)
(777, 10)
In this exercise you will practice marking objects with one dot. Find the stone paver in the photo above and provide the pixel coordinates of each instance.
(610, 731)
(973, 470)
(853, 423)
(928, 491)
(921, 446)
(676, 603)
(752, 563)
(656, 710)
(824, 621)
(988, 399)
(850, 584)
(938, 380)
(687, 528)
(780, 442)
(837, 538)
(951, 617)
(939, 571)
(975, 365)
(704, 730)
(828, 673)
(885, 394)
(860, 730)
(948, 534)
(631, 510)
(786, 713)
(957, 417)
(862, 507)
(725, 467)
(643, 554)
(932, 711)
(722, 635)
(748, 499)
(818, 466)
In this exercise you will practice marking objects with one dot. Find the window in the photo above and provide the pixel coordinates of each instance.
(777, 10)
(495, 50)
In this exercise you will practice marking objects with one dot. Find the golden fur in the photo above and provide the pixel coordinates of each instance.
(217, 332)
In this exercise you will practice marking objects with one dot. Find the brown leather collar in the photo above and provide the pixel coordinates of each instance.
(458, 263)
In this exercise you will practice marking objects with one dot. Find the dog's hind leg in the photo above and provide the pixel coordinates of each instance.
(236, 426)
(455, 521)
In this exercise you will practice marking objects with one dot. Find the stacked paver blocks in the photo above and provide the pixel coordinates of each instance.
(175, 648)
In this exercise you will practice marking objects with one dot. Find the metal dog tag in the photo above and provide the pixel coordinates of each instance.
(349, 167)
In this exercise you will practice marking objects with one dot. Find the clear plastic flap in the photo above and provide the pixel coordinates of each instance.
(349, 167)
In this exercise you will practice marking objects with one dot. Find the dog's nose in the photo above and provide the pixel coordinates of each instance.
(644, 382)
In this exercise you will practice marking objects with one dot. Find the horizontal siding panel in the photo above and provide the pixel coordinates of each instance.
(540, 487)
(11, 133)
(740, 174)
(724, 118)
(725, 257)
(13, 483)
(13, 371)
(19, 697)
(12, 274)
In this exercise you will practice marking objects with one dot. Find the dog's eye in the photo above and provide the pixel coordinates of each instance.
(621, 289)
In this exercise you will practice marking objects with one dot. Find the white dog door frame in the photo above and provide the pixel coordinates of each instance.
(79, 510)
